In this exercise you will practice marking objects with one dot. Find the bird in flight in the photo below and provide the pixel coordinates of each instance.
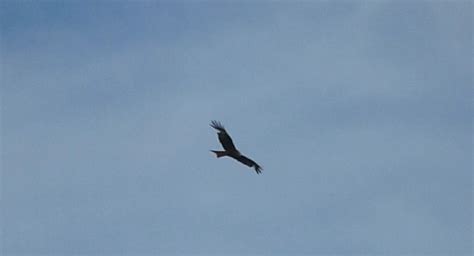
(230, 149)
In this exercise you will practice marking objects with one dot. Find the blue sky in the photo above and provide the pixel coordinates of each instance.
(359, 112)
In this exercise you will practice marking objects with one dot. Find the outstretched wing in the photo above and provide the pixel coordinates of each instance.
(249, 162)
(223, 136)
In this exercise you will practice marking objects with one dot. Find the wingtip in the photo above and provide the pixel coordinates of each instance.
(216, 125)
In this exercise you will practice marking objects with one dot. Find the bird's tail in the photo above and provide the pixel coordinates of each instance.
(219, 153)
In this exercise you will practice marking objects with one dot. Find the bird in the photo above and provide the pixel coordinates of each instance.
(229, 148)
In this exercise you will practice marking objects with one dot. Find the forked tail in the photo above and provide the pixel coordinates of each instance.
(219, 153)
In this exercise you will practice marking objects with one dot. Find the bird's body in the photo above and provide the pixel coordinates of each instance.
(229, 148)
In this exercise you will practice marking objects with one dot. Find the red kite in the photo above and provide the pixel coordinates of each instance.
(229, 148)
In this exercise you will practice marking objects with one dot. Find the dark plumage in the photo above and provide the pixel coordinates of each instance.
(230, 149)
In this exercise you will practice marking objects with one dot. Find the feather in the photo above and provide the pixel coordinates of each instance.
(249, 162)
(224, 137)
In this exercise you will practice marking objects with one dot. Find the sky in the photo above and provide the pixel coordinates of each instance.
(360, 113)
